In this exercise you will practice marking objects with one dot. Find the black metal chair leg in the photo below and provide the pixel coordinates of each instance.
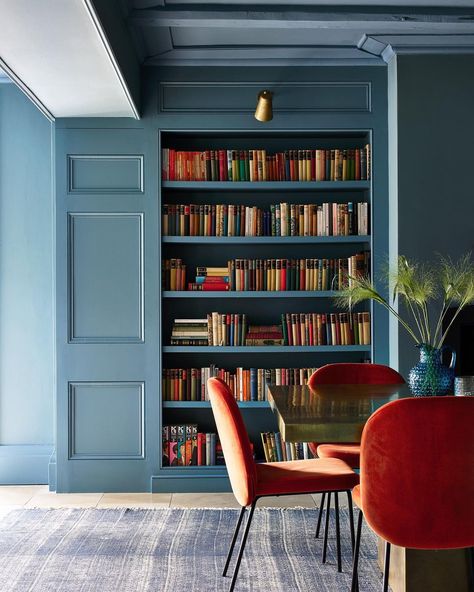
(234, 538)
(351, 519)
(338, 532)
(326, 528)
(321, 508)
(355, 561)
(242, 546)
(386, 567)
(470, 552)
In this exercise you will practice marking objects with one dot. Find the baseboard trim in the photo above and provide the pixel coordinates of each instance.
(190, 484)
(25, 464)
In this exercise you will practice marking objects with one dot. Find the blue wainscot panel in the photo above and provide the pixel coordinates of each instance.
(108, 174)
(106, 420)
(105, 278)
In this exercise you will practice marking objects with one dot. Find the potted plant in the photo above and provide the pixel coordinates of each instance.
(426, 292)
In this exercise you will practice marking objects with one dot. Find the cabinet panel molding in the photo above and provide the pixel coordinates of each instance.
(105, 268)
(232, 97)
(105, 174)
(106, 420)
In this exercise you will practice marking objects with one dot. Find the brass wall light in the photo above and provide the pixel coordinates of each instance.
(264, 110)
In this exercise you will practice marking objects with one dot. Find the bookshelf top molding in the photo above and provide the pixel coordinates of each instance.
(359, 133)
(268, 185)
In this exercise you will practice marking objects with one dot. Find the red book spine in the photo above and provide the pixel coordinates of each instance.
(283, 275)
(200, 449)
(172, 164)
(357, 165)
(222, 165)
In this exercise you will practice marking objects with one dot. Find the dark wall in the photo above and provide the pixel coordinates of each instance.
(435, 161)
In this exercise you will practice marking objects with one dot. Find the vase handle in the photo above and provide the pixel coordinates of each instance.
(453, 355)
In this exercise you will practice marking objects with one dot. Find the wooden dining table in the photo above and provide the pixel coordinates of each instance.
(337, 413)
(331, 413)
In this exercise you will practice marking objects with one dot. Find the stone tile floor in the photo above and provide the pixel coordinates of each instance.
(38, 496)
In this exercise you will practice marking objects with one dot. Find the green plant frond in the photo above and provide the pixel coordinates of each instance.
(457, 278)
(449, 282)
(361, 289)
(414, 282)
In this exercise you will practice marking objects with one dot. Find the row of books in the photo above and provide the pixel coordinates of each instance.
(273, 275)
(277, 450)
(337, 164)
(342, 328)
(246, 384)
(308, 329)
(282, 219)
(183, 445)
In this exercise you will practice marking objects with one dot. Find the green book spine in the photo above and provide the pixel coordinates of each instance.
(284, 329)
(242, 167)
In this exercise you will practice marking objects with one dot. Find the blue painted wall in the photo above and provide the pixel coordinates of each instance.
(108, 373)
(435, 128)
(26, 290)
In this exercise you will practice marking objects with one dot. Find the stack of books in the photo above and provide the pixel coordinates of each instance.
(259, 335)
(326, 328)
(173, 273)
(281, 219)
(189, 332)
(246, 384)
(183, 445)
(338, 164)
(277, 450)
(215, 279)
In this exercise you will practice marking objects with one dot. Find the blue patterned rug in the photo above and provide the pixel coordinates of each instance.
(175, 550)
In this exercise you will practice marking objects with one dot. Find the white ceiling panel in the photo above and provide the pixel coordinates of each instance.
(55, 50)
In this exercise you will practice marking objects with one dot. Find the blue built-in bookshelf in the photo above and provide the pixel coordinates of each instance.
(262, 307)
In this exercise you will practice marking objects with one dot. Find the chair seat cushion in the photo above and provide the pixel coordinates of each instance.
(356, 496)
(304, 476)
(349, 453)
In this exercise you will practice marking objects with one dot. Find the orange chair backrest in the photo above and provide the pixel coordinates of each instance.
(352, 373)
(417, 472)
(234, 441)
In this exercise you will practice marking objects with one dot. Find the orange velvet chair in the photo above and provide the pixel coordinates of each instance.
(417, 476)
(250, 480)
(346, 373)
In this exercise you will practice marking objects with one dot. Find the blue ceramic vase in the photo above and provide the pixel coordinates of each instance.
(430, 377)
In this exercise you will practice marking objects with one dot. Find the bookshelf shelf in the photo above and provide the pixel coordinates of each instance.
(207, 404)
(260, 307)
(267, 185)
(267, 240)
(269, 349)
(252, 294)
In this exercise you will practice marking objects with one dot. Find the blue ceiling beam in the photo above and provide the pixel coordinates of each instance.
(304, 18)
